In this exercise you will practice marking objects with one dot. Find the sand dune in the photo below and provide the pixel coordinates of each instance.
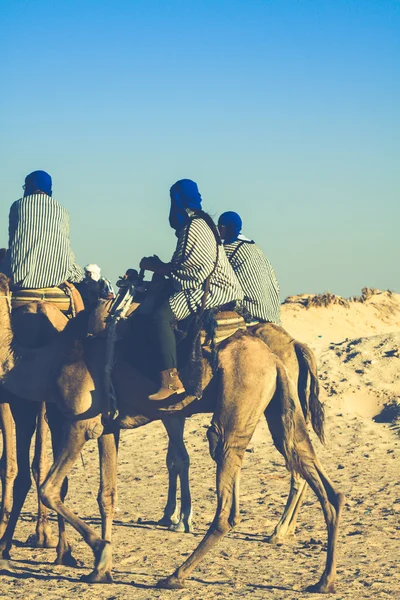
(357, 345)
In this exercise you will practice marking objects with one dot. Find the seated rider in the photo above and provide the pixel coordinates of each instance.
(39, 253)
(200, 274)
(95, 287)
(253, 270)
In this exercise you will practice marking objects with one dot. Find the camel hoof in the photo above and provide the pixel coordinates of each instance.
(5, 554)
(96, 577)
(66, 559)
(321, 588)
(45, 541)
(181, 527)
(274, 539)
(171, 583)
(166, 522)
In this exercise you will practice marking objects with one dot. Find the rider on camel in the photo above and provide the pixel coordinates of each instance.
(39, 252)
(253, 270)
(201, 277)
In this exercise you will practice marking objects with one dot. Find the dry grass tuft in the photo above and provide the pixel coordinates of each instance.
(326, 299)
(386, 302)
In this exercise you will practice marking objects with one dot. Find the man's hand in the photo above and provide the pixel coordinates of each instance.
(153, 263)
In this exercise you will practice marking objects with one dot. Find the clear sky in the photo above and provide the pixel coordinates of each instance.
(286, 111)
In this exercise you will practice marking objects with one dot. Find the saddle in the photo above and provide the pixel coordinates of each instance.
(227, 322)
(65, 297)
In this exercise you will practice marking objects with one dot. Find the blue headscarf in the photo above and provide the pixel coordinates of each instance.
(38, 181)
(233, 224)
(185, 196)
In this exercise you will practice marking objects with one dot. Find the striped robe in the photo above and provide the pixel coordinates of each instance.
(193, 261)
(257, 279)
(39, 253)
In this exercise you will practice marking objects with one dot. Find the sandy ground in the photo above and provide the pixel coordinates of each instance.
(358, 356)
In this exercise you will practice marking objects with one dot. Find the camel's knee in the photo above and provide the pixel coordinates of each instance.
(8, 475)
(49, 495)
(94, 428)
(222, 523)
(177, 460)
(106, 499)
(214, 438)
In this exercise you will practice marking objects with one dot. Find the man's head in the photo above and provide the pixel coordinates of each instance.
(36, 182)
(229, 225)
(184, 196)
(92, 271)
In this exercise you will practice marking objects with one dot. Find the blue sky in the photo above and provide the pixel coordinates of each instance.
(286, 111)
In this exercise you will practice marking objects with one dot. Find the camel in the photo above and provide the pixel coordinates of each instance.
(34, 324)
(250, 381)
(301, 367)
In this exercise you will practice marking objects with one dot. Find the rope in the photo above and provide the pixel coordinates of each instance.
(68, 293)
(8, 297)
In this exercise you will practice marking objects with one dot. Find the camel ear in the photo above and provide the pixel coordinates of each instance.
(5, 284)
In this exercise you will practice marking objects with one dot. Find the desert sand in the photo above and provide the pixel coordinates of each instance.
(357, 348)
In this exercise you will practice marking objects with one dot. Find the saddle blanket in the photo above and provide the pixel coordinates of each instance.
(227, 323)
(55, 295)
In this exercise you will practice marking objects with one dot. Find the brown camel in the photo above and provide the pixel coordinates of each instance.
(301, 367)
(35, 325)
(250, 381)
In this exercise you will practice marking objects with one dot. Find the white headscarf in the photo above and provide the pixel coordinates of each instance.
(94, 271)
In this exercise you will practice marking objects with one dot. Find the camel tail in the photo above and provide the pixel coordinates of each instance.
(310, 402)
(286, 442)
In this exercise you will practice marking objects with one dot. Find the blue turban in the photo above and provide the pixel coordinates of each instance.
(185, 196)
(38, 181)
(233, 224)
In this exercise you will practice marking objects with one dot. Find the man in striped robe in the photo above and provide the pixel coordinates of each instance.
(39, 253)
(253, 270)
(200, 275)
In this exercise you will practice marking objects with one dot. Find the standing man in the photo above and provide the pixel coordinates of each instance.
(39, 252)
(253, 270)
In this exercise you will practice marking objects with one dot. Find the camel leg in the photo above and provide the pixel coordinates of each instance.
(287, 523)
(24, 414)
(226, 517)
(40, 467)
(291, 530)
(64, 550)
(8, 464)
(107, 496)
(178, 464)
(75, 436)
(332, 503)
(311, 470)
